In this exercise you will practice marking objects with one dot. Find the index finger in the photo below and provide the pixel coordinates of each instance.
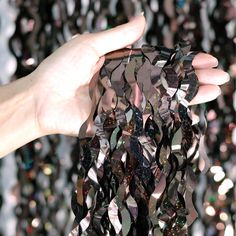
(204, 61)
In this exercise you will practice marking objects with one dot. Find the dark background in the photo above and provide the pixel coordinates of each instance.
(36, 181)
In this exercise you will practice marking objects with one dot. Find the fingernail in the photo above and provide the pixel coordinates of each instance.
(219, 91)
(134, 17)
(227, 77)
(215, 61)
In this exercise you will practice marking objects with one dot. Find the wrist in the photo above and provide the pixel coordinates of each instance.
(18, 119)
(30, 93)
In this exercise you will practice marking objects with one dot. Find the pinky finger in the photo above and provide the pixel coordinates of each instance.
(206, 93)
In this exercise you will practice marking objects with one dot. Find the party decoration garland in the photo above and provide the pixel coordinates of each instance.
(42, 26)
(138, 172)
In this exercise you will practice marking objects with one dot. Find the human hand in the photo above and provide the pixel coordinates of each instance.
(209, 78)
(62, 80)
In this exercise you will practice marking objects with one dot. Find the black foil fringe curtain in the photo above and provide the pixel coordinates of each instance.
(47, 168)
(138, 173)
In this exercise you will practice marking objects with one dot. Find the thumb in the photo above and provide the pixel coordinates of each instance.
(118, 37)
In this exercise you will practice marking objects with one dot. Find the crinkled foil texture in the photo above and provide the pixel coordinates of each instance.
(46, 168)
(138, 172)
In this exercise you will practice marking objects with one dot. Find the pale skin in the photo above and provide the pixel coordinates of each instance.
(54, 99)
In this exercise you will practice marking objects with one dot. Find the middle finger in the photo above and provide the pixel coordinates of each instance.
(212, 76)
